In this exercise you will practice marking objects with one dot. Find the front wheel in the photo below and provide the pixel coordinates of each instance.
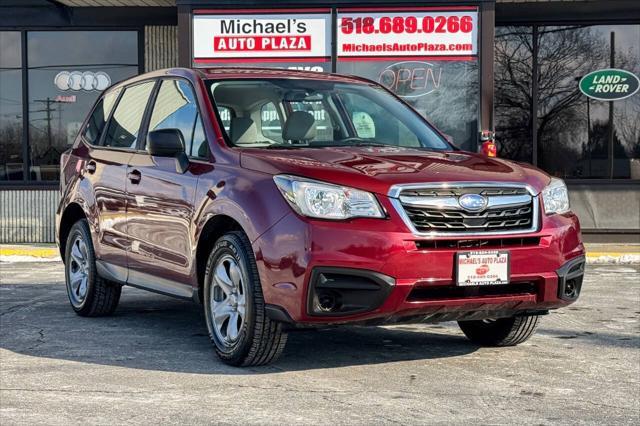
(500, 332)
(234, 307)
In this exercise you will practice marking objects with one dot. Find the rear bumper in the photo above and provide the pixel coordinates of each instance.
(293, 253)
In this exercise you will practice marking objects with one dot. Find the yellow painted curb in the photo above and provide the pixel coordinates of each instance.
(31, 251)
(594, 254)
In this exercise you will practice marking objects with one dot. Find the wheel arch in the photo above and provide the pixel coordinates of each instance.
(214, 228)
(72, 213)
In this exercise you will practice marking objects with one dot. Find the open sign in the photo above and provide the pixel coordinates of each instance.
(411, 79)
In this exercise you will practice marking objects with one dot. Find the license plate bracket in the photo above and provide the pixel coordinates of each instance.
(483, 267)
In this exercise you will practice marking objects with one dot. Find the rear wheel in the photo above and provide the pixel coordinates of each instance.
(234, 307)
(500, 332)
(89, 294)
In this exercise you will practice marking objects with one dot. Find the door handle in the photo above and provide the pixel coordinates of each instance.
(134, 176)
(90, 167)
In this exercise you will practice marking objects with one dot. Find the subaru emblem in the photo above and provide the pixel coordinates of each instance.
(473, 202)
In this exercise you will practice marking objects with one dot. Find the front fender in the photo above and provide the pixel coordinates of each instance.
(248, 197)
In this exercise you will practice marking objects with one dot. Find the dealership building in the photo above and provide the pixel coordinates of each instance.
(543, 75)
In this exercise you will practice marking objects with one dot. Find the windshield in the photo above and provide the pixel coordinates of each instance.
(295, 113)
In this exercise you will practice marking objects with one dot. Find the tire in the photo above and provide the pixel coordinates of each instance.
(89, 294)
(234, 307)
(500, 332)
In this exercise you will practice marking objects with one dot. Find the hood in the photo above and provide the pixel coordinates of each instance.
(376, 169)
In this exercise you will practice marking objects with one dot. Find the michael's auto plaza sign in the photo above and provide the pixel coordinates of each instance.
(247, 37)
(305, 35)
(429, 32)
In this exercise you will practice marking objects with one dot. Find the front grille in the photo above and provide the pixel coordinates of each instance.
(437, 210)
(426, 220)
(456, 192)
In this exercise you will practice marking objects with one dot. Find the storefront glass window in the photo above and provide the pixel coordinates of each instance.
(513, 68)
(578, 137)
(575, 136)
(11, 162)
(65, 82)
(446, 92)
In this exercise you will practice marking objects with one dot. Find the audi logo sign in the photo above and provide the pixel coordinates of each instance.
(78, 80)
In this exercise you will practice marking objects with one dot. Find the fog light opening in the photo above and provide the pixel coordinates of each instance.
(328, 301)
(571, 288)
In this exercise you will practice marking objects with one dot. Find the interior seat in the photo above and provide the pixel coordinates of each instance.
(299, 127)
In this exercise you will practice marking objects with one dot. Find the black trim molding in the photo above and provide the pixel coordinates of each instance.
(567, 12)
(63, 16)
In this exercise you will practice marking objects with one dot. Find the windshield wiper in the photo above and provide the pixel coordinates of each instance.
(354, 141)
(339, 143)
(285, 146)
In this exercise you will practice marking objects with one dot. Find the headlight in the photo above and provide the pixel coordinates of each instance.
(556, 197)
(325, 201)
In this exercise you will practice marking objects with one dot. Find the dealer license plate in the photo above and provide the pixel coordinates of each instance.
(482, 268)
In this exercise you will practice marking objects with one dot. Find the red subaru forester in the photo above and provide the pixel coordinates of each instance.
(283, 199)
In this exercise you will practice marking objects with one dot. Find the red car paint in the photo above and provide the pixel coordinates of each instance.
(154, 229)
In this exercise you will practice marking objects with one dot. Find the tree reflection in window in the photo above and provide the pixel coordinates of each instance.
(513, 90)
(573, 131)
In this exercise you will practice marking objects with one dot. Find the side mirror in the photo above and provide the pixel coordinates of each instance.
(168, 143)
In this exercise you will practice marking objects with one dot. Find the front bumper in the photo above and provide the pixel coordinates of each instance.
(293, 253)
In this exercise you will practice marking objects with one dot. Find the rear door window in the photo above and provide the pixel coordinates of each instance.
(98, 119)
(124, 126)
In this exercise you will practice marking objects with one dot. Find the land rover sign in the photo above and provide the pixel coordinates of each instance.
(609, 84)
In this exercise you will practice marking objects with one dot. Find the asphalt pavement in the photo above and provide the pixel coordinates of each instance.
(152, 363)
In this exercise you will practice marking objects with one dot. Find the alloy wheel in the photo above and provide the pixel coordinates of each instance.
(78, 271)
(227, 300)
